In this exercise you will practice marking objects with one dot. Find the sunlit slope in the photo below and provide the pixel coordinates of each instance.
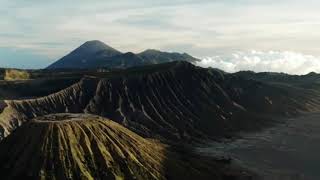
(78, 146)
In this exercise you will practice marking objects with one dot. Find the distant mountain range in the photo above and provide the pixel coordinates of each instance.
(96, 54)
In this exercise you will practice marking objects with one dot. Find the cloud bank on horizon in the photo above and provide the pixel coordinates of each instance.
(259, 61)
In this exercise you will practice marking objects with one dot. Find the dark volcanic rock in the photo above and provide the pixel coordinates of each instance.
(173, 101)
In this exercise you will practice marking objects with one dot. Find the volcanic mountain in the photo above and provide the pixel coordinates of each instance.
(85, 55)
(171, 101)
(79, 146)
(126, 123)
(95, 54)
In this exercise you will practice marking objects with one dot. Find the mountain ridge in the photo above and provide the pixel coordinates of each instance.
(96, 54)
(134, 123)
(171, 101)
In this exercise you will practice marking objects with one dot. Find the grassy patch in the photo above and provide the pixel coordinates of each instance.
(13, 74)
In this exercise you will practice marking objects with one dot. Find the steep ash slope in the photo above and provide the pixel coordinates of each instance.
(71, 99)
(168, 101)
(78, 146)
(274, 99)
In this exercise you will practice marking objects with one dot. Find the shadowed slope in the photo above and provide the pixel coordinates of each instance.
(85, 56)
(96, 54)
(75, 146)
(121, 61)
(171, 101)
(153, 56)
(175, 101)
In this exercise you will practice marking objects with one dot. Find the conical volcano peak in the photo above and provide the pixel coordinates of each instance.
(95, 54)
(96, 45)
(85, 56)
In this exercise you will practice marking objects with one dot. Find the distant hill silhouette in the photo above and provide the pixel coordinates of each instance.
(85, 55)
(96, 54)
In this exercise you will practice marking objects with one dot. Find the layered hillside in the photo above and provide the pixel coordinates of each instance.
(78, 146)
(96, 54)
(172, 101)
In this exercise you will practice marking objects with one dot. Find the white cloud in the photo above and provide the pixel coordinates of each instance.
(133, 26)
(200, 28)
(264, 61)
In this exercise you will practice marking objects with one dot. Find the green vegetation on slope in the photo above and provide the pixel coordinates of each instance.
(14, 74)
(75, 146)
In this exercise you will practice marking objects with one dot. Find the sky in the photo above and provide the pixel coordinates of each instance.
(226, 34)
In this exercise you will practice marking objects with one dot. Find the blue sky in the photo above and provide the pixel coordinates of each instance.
(35, 32)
